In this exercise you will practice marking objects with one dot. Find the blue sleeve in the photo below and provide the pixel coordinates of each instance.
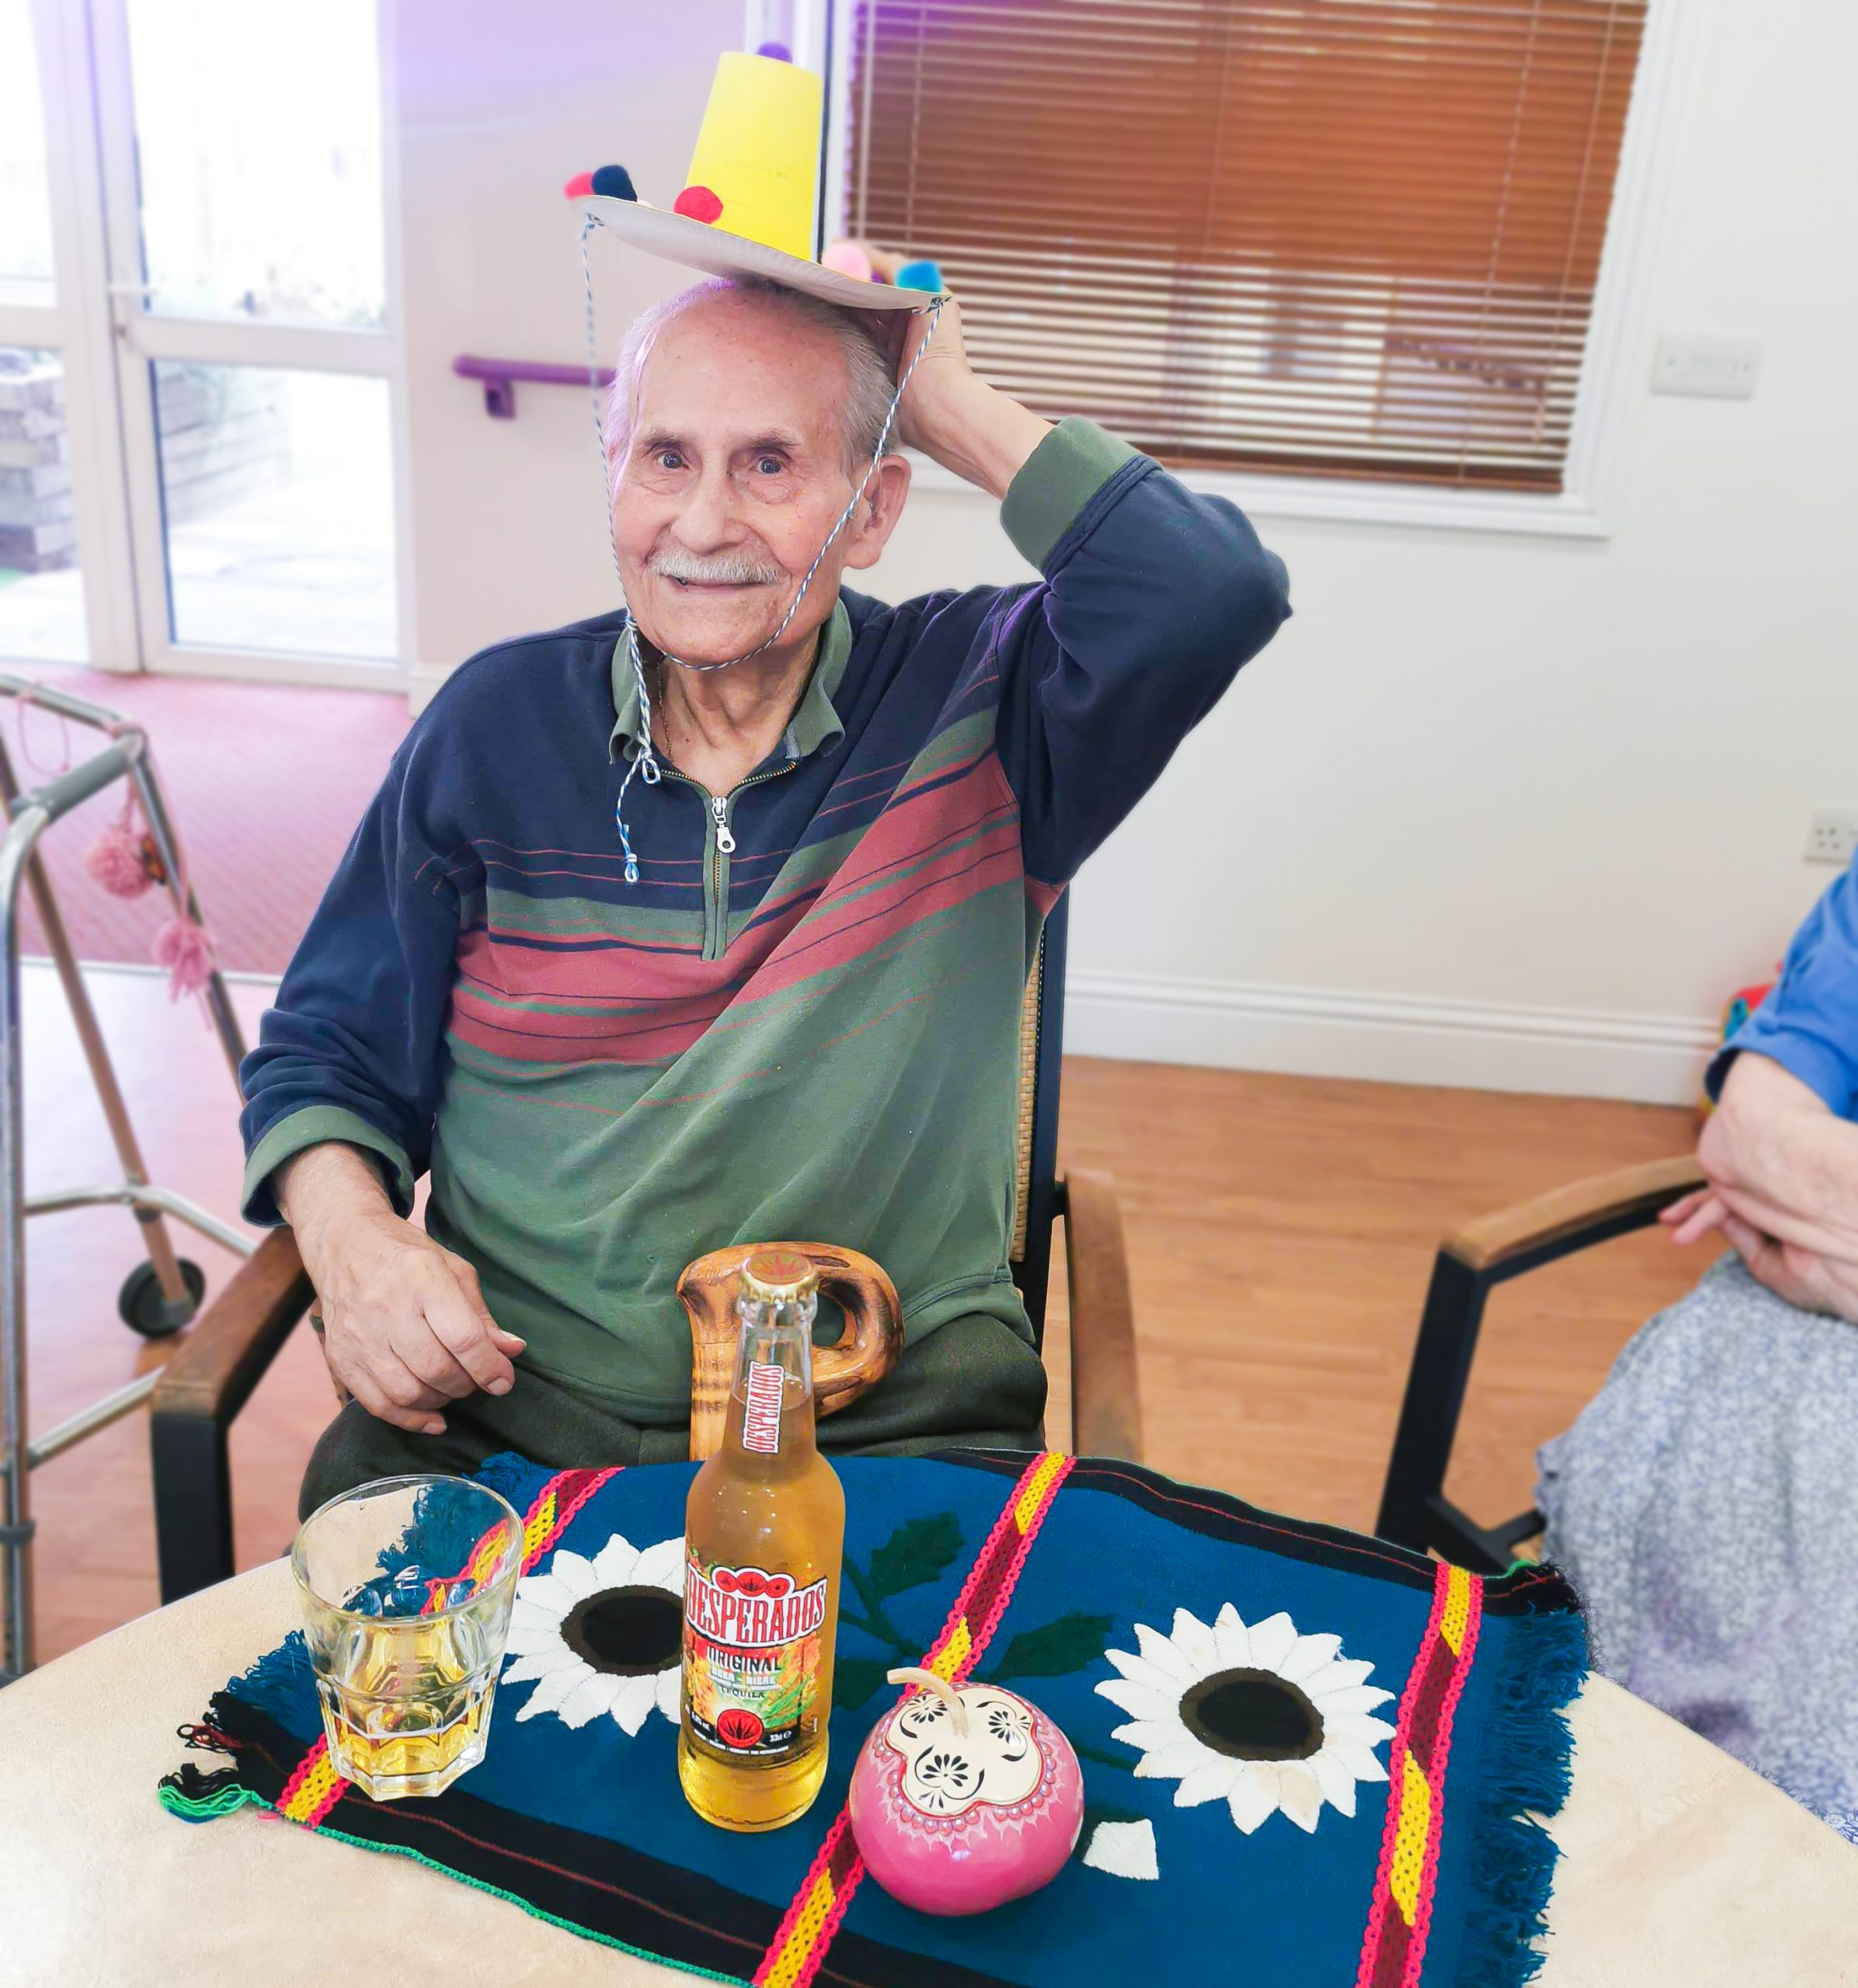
(1808, 1023)
(353, 1049)
(1155, 598)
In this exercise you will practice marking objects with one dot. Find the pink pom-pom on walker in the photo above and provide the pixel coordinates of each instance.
(186, 951)
(115, 860)
(849, 259)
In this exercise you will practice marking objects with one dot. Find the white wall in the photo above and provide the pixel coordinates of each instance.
(1494, 809)
(499, 103)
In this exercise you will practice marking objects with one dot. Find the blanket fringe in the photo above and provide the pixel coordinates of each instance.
(1528, 1746)
(279, 1684)
(195, 1797)
(444, 1549)
(512, 1477)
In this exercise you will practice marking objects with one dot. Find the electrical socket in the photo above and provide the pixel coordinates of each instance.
(1717, 368)
(1832, 835)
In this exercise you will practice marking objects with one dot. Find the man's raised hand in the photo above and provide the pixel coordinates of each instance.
(405, 1329)
(947, 411)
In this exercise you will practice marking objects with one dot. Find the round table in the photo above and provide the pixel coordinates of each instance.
(1678, 1867)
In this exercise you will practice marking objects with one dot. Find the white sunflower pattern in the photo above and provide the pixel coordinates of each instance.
(1171, 1685)
(572, 1681)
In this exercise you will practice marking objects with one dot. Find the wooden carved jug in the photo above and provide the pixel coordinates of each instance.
(866, 1351)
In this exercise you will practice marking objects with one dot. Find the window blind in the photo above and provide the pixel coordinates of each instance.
(1336, 237)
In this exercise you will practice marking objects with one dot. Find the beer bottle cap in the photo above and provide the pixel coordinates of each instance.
(778, 1277)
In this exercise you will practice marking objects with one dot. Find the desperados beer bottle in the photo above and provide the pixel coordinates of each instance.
(763, 1532)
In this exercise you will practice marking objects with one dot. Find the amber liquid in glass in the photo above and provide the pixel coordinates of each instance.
(764, 1530)
(405, 1703)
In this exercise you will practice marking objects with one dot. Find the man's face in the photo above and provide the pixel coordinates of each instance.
(733, 473)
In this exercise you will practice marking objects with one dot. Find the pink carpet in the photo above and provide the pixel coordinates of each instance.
(265, 783)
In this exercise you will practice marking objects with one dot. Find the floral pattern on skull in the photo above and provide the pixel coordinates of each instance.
(947, 1772)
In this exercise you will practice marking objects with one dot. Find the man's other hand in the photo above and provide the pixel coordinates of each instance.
(405, 1329)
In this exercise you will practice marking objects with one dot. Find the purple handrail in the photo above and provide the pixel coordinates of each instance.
(499, 377)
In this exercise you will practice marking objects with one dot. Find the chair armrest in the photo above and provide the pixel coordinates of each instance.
(1629, 1198)
(224, 1357)
(1106, 1408)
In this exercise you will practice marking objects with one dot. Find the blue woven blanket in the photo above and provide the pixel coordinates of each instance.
(1309, 1757)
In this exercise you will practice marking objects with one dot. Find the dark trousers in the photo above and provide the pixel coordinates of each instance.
(972, 1382)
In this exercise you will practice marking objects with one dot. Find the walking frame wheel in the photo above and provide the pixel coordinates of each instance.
(144, 1310)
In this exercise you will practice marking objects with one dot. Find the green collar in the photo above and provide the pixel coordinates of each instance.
(815, 721)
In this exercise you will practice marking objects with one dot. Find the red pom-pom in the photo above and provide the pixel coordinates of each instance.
(582, 183)
(115, 860)
(186, 951)
(699, 203)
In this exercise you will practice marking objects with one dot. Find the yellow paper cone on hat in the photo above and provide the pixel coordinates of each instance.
(759, 151)
(750, 206)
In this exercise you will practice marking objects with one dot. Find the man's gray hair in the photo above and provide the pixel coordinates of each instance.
(869, 384)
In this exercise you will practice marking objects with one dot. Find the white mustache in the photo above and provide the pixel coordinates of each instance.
(738, 569)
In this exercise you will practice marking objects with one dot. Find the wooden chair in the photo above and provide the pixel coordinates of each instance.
(213, 1371)
(1415, 1510)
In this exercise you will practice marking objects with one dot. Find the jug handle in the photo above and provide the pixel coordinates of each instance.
(866, 1351)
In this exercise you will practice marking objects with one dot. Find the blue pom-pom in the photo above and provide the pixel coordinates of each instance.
(921, 275)
(615, 182)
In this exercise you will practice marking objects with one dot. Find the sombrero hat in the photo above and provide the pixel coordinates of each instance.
(754, 190)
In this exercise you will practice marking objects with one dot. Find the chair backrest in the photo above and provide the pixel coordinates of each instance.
(1041, 1049)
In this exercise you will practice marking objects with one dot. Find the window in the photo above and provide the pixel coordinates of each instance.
(1342, 239)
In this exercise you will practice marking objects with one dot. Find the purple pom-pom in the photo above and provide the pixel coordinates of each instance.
(776, 51)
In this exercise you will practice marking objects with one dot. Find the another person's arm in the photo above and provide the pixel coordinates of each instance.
(1780, 1153)
(1783, 1175)
(341, 1094)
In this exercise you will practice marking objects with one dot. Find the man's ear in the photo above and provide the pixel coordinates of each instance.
(882, 505)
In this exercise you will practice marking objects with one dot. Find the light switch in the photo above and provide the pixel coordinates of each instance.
(1719, 369)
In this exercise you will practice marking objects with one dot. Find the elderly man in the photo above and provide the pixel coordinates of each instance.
(800, 1018)
(1703, 1503)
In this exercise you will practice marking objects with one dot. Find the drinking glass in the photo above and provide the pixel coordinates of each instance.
(407, 1584)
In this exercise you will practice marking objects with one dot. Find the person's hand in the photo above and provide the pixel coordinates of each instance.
(944, 384)
(405, 1329)
(1781, 1162)
(405, 1326)
(1781, 1187)
(947, 411)
(1695, 1216)
(1803, 1278)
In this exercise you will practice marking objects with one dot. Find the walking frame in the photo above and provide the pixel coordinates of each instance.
(161, 1295)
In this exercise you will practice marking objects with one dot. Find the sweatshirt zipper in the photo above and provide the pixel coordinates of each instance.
(720, 846)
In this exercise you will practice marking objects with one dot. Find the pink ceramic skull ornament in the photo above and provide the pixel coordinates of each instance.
(962, 1800)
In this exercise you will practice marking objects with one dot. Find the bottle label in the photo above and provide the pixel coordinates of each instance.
(761, 1411)
(751, 1656)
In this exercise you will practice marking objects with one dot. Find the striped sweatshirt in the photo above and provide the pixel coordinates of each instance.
(802, 1021)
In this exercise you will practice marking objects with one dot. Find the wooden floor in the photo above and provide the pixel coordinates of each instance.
(1281, 1232)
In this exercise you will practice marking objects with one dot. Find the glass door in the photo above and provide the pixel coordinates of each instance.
(64, 591)
(244, 177)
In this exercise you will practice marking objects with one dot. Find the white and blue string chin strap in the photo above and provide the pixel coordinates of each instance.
(645, 763)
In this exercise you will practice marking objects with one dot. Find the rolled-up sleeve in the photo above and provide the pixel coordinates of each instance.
(1808, 1023)
(1156, 597)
